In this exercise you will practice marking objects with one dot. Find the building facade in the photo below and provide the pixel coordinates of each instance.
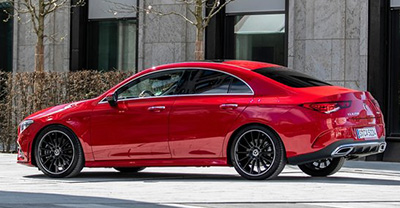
(351, 43)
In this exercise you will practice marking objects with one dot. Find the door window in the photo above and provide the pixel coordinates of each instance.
(158, 84)
(213, 82)
(238, 86)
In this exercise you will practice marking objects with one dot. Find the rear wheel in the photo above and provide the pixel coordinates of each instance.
(257, 153)
(323, 167)
(129, 169)
(58, 152)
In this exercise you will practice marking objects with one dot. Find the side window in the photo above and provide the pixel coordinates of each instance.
(154, 85)
(188, 81)
(239, 87)
(213, 82)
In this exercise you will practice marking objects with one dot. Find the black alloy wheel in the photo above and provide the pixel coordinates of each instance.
(323, 167)
(257, 153)
(58, 152)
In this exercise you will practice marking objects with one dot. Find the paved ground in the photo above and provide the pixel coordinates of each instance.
(359, 184)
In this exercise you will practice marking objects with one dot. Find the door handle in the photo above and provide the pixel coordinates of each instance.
(156, 108)
(228, 106)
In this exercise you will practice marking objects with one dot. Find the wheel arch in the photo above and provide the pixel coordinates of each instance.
(34, 141)
(237, 130)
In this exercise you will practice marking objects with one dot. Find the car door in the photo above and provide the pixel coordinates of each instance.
(137, 128)
(200, 120)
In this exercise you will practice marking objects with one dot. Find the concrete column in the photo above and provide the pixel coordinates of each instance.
(329, 39)
(165, 39)
(56, 44)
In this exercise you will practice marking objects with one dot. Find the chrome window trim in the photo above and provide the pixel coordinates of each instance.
(183, 68)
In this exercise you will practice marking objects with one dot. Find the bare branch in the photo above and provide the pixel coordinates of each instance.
(213, 13)
(173, 13)
(124, 8)
(53, 5)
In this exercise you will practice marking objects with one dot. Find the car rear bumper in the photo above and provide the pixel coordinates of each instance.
(344, 148)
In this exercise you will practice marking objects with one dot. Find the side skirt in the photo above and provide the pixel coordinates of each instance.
(201, 162)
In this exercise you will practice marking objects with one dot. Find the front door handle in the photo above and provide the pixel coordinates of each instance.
(156, 108)
(229, 106)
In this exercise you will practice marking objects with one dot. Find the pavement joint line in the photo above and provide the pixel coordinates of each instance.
(286, 202)
(182, 205)
(372, 173)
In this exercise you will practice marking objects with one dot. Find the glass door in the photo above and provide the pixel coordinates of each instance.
(258, 37)
(6, 37)
(394, 76)
(112, 45)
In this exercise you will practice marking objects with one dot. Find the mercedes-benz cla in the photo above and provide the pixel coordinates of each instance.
(253, 116)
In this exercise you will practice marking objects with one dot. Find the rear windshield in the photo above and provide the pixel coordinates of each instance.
(290, 78)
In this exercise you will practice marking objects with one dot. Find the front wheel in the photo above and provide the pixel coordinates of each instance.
(58, 152)
(323, 167)
(257, 153)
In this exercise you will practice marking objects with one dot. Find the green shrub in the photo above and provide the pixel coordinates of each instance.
(22, 94)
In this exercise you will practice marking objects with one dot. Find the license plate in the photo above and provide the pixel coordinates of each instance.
(367, 133)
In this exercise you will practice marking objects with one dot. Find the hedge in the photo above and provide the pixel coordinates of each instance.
(22, 94)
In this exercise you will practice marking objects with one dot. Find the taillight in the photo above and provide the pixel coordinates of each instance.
(328, 107)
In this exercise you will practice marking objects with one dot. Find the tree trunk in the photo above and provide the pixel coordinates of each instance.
(199, 49)
(39, 56)
(39, 51)
(39, 73)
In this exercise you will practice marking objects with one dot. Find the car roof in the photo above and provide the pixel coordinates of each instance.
(242, 64)
(250, 65)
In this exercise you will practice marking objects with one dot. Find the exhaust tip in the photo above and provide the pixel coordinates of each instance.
(382, 147)
(342, 151)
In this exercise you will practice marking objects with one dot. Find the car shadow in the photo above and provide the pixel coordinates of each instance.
(25, 199)
(339, 180)
(93, 177)
(99, 176)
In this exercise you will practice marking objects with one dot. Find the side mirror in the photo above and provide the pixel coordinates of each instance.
(112, 99)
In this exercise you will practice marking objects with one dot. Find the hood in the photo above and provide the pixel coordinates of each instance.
(58, 109)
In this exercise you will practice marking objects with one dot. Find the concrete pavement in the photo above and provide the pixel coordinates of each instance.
(358, 184)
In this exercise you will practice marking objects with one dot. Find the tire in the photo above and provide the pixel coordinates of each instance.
(58, 152)
(257, 153)
(129, 169)
(321, 168)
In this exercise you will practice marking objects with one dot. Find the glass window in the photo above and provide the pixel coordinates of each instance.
(238, 86)
(260, 38)
(213, 82)
(6, 37)
(290, 78)
(112, 45)
(395, 3)
(246, 6)
(110, 9)
(157, 84)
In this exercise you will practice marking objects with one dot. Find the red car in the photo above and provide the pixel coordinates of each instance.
(253, 116)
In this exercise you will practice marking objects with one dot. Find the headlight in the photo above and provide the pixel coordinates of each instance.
(24, 125)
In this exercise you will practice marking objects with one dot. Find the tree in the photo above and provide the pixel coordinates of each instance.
(201, 12)
(38, 10)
